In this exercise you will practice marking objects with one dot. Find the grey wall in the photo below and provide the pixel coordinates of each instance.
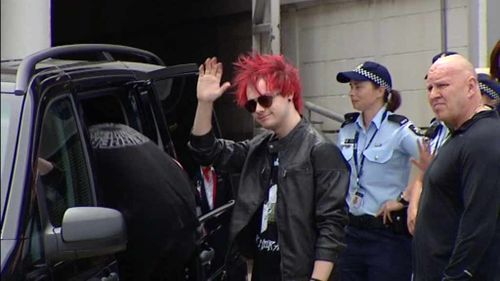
(326, 37)
(24, 30)
(493, 24)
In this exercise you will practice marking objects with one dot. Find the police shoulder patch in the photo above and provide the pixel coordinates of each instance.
(400, 119)
(350, 118)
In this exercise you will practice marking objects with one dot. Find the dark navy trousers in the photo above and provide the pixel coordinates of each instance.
(375, 255)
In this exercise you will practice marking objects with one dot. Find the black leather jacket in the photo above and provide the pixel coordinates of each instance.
(313, 179)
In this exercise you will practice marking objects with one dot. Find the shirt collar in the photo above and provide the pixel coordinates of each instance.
(480, 115)
(377, 119)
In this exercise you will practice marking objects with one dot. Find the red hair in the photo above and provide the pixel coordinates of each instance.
(274, 69)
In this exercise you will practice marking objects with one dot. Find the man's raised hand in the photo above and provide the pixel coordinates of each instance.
(210, 74)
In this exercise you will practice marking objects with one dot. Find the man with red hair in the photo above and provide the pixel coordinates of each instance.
(290, 211)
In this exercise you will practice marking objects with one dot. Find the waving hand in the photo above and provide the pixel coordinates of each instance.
(210, 74)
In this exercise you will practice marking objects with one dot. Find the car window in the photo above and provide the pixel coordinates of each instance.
(127, 106)
(62, 164)
(149, 123)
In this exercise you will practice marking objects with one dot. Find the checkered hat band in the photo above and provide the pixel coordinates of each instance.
(489, 91)
(375, 78)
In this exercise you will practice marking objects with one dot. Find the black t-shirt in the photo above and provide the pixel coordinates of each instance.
(267, 251)
(458, 226)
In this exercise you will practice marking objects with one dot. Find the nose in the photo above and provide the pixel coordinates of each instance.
(353, 93)
(259, 108)
(433, 93)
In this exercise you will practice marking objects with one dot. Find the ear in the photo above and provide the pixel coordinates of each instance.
(472, 87)
(380, 92)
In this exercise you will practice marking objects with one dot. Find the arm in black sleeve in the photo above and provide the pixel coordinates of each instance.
(225, 155)
(332, 175)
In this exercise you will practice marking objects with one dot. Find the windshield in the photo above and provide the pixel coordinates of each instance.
(11, 108)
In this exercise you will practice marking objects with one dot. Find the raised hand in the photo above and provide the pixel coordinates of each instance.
(210, 74)
(425, 157)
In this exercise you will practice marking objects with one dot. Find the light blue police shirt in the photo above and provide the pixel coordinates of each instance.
(440, 137)
(387, 165)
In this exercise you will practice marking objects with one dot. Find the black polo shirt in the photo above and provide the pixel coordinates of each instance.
(457, 235)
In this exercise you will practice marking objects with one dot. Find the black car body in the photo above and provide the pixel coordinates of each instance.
(48, 101)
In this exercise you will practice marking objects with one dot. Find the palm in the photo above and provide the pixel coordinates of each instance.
(210, 74)
(425, 156)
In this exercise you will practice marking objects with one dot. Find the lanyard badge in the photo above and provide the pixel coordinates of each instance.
(357, 199)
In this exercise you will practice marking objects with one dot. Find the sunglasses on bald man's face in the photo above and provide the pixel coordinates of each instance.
(264, 100)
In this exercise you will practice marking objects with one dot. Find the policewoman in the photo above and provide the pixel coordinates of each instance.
(490, 90)
(378, 145)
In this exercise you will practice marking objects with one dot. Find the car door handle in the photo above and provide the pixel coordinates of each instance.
(113, 276)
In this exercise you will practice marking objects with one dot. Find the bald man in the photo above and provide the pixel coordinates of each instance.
(457, 235)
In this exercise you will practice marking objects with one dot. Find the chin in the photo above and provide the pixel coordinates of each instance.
(268, 125)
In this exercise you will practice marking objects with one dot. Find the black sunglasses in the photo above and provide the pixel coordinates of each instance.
(264, 100)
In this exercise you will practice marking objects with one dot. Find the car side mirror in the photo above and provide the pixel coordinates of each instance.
(86, 232)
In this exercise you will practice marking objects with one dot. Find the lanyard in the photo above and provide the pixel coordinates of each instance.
(359, 170)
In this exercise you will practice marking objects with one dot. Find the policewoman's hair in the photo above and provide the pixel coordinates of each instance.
(392, 98)
(495, 62)
(379, 76)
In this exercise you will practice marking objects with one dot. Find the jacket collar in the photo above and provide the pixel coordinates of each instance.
(274, 145)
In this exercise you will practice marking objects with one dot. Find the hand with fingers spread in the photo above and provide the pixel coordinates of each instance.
(425, 157)
(209, 78)
(387, 208)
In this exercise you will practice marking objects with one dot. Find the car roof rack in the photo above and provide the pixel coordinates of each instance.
(27, 66)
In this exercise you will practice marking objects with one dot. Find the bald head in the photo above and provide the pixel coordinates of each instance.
(456, 64)
(453, 89)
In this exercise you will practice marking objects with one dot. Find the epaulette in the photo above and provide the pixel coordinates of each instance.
(401, 120)
(417, 130)
(349, 118)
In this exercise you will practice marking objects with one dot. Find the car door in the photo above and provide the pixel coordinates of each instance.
(175, 93)
(63, 180)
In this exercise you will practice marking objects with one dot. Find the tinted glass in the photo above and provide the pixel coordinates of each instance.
(67, 184)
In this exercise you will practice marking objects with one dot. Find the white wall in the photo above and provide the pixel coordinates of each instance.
(331, 36)
(25, 27)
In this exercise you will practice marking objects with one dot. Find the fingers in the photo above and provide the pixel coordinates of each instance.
(383, 212)
(388, 215)
(201, 70)
(207, 66)
(218, 70)
(211, 66)
(225, 86)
